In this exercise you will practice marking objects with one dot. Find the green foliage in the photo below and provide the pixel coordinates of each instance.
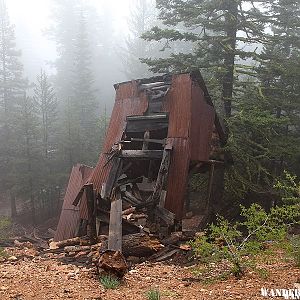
(289, 188)
(153, 294)
(5, 227)
(295, 249)
(3, 253)
(239, 242)
(109, 282)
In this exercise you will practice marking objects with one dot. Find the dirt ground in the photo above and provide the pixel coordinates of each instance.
(36, 276)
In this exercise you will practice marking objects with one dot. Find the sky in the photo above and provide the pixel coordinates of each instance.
(32, 17)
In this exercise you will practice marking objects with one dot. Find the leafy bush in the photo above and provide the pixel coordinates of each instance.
(3, 253)
(295, 249)
(5, 227)
(239, 242)
(153, 294)
(109, 282)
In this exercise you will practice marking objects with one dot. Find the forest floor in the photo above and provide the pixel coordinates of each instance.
(32, 275)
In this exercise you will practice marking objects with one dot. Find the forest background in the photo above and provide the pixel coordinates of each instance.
(54, 113)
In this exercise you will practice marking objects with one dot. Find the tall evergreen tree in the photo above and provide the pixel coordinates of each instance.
(142, 18)
(83, 98)
(27, 161)
(227, 48)
(279, 74)
(46, 102)
(228, 33)
(12, 86)
(79, 136)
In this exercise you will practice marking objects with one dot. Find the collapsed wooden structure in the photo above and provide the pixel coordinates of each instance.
(163, 130)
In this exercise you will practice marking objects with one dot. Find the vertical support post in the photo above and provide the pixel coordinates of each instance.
(91, 213)
(210, 184)
(115, 222)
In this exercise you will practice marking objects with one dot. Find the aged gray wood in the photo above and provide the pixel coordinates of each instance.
(142, 154)
(115, 223)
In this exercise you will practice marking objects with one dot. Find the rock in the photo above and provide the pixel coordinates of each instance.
(53, 245)
(12, 258)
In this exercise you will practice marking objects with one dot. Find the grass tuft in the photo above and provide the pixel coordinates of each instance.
(109, 282)
(153, 294)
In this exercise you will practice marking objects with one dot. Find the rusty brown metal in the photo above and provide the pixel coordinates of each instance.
(178, 105)
(202, 124)
(70, 214)
(191, 122)
(178, 173)
(131, 105)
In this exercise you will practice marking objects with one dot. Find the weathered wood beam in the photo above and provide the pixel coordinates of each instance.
(90, 196)
(142, 154)
(114, 173)
(115, 223)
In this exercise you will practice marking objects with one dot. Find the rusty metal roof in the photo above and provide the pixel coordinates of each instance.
(69, 217)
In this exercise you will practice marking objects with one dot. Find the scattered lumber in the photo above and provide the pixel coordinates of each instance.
(68, 242)
(77, 248)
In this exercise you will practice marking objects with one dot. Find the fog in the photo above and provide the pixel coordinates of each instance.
(33, 19)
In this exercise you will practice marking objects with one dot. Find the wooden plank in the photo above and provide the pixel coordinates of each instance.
(154, 141)
(113, 175)
(165, 215)
(142, 154)
(162, 175)
(115, 223)
(92, 233)
(132, 198)
(143, 125)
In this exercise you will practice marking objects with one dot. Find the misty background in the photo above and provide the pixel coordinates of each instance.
(33, 20)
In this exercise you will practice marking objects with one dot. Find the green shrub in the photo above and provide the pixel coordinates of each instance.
(295, 249)
(153, 294)
(5, 227)
(3, 253)
(109, 282)
(238, 243)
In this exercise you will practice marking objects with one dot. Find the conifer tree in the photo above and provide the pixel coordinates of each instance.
(12, 87)
(46, 102)
(142, 18)
(27, 162)
(227, 34)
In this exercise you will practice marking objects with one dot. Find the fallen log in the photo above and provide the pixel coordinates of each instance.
(139, 245)
(68, 242)
(77, 248)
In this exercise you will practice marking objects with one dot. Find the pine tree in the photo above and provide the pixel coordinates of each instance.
(83, 97)
(227, 35)
(79, 136)
(46, 102)
(142, 18)
(12, 86)
(279, 74)
(28, 156)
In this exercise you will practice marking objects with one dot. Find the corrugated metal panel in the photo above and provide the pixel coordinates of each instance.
(69, 217)
(202, 124)
(178, 173)
(178, 104)
(122, 108)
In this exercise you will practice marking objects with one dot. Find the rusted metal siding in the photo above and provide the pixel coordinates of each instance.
(178, 174)
(178, 104)
(69, 217)
(202, 124)
(191, 121)
(130, 105)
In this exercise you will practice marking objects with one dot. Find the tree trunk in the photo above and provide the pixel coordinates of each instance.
(230, 47)
(13, 206)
